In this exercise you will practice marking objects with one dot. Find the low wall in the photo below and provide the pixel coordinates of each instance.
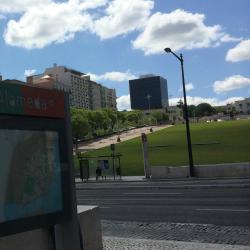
(159, 172)
(40, 239)
(202, 171)
(90, 224)
(223, 170)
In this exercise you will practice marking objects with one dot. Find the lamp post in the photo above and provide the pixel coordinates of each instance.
(190, 154)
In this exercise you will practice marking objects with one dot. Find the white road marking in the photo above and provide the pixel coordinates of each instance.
(128, 199)
(223, 209)
(152, 193)
(105, 207)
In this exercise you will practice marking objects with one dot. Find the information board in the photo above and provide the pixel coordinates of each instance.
(34, 158)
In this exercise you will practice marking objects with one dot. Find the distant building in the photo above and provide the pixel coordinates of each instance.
(12, 81)
(83, 92)
(241, 107)
(149, 92)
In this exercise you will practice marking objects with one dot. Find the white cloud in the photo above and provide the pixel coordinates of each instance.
(114, 76)
(51, 23)
(178, 30)
(43, 22)
(15, 6)
(188, 87)
(29, 72)
(195, 100)
(231, 83)
(123, 102)
(123, 17)
(240, 52)
(90, 4)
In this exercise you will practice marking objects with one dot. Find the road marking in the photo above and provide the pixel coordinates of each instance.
(128, 199)
(152, 193)
(105, 207)
(223, 209)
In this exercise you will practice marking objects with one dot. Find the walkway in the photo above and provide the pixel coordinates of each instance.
(124, 136)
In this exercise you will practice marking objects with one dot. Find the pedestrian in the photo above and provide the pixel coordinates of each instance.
(98, 172)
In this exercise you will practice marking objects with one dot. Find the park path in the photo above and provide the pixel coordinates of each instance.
(124, 136)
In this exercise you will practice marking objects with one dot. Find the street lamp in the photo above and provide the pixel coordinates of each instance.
(190, 154)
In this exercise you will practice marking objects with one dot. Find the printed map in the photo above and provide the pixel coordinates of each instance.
(30, 178)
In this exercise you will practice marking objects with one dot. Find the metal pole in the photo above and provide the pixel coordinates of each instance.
(191, 164)
(113, 163)
(120, 167)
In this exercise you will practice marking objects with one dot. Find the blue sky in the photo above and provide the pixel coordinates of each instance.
(118, 40)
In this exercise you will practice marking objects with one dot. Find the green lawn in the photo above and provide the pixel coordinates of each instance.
(233, 138)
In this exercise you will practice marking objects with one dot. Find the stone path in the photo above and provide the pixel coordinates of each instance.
(202, 233)
(115, 243)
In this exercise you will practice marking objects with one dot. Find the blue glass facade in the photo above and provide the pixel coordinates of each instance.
(148, 93)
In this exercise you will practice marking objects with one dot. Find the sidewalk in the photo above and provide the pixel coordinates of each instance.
(124, 136)
(116, 243)
(111, 179)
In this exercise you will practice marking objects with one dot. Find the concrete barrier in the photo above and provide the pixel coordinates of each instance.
(202, 171)
(159, 172)
(40, 239)
(223, 170)
(90, 224)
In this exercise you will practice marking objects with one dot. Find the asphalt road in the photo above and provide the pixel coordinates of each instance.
(219, 202)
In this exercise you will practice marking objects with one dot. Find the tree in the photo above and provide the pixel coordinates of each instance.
(192, 111)
(112, 115)
(135, 117)
(122, 117)
(100, 119)
(204, 109)
(80, 124)
(160, 117)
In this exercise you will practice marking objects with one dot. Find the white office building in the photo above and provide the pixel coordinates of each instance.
(83, 92)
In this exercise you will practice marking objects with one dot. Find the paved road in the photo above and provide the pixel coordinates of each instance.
(224, 202)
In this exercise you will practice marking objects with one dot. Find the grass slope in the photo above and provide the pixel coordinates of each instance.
(233, 138)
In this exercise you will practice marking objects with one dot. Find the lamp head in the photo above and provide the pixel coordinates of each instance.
(168, 50)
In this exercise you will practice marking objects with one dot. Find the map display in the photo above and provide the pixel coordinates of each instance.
(30, 174)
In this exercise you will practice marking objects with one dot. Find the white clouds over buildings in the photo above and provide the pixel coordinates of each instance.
(114, 76)
(231, 83)
(16, 6)
(179, 30)
(43, 22)
(240, 52)
(29, 72)
(123, 103)
(87, 4)
(195, 100)
(123, 17)
(51, 23)
(188, 87)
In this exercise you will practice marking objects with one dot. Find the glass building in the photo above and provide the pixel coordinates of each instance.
(148, 92)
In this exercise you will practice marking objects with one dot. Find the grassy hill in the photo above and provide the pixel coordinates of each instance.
(219, 142)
